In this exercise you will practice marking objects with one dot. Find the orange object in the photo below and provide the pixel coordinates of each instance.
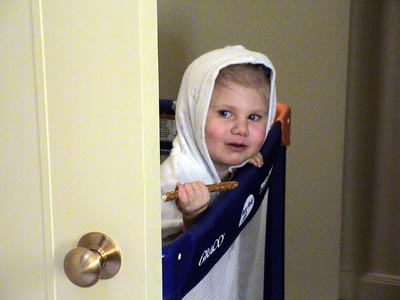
(283, 114)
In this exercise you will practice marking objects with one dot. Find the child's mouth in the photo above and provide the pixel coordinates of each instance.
(237, 147)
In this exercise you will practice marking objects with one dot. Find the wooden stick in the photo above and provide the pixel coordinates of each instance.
(215, 187)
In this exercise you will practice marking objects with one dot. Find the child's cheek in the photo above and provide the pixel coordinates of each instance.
(259, 134)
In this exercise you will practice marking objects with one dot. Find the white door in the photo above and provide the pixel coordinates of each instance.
(79, 144)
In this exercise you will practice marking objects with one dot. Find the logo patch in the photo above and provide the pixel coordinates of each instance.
(247, 207)
(209, 251)
(264, 184)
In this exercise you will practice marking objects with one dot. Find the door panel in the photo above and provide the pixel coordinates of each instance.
(89, 142)
(22, 263)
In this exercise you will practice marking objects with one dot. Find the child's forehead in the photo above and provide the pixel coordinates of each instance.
(229, 88)
(236, 94)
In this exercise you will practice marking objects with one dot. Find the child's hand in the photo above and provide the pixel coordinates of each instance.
(193, 198)
(257, 160)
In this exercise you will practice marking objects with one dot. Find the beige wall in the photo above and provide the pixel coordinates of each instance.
(370, 265)
(308, 43)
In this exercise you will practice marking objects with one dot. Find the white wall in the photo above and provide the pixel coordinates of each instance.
(308, 43)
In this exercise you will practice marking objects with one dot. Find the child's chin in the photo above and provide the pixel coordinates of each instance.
(235, 162)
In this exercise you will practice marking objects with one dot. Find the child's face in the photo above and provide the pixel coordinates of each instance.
(235, 125)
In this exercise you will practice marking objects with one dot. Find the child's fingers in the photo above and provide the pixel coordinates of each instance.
(182, 200)
(192, 196)
(201, 193)
(197, 194)
(190, 191)
(257, 160)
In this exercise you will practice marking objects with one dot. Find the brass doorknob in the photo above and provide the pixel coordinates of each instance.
(96, 257)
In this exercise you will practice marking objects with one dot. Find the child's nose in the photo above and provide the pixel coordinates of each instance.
(240, 127)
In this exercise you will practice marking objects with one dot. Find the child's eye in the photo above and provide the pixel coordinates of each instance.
(224, 113)
(254, 117)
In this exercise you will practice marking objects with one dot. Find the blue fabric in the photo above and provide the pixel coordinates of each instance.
(189, 258)
(274, 277)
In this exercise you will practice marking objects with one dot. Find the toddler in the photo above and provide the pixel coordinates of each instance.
(225, 107)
